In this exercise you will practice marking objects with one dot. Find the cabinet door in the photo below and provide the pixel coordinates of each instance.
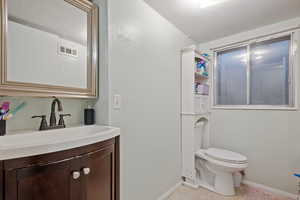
(47, 182)
(98, 175)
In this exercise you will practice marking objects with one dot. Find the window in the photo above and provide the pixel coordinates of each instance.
(255, 74)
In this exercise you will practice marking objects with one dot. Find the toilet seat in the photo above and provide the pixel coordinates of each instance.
(222, 157)
(226, 156)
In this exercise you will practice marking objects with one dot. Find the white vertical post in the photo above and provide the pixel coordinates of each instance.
(248, 73)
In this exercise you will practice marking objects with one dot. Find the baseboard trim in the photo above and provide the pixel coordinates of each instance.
(169, 192)
(190, 185)
(270, 189)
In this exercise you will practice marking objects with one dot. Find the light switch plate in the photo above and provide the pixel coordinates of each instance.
(117, 102)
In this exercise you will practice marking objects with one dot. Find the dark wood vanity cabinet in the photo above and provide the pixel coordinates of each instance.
(85, 173)
(39, 182)
(98, 183)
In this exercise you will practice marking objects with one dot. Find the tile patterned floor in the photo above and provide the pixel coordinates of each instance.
(244, 193)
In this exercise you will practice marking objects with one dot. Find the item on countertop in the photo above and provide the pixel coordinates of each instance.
(4, 109)
(18, 108)
(89, 116)
(2, 127)
(5, 106)
(6, 114)
(9, 114)
(3, 115)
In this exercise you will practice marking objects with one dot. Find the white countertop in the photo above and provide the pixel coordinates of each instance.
(32, 143)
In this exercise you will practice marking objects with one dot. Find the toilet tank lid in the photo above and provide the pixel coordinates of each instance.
(225, 155)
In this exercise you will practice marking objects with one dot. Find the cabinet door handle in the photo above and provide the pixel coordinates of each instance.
(86, 170)
(76, 175)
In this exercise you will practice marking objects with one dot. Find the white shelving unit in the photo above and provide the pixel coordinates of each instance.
(189, 77)
(193, 107)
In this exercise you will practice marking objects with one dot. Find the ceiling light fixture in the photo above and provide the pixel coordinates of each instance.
(196, 4)
(209, 3)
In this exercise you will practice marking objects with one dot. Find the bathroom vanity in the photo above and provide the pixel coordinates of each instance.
(50, 49)
(71, 164)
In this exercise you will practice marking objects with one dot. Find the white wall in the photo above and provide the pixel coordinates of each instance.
(41, 106)
(33, 57)
(102, 104)
(270, 139)
(144, 68)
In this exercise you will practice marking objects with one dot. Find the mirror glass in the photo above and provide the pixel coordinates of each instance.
(47, 43)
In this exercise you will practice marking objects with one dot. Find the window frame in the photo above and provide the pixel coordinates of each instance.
(293, 55)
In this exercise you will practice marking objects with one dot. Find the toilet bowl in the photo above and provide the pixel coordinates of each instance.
(216, 168)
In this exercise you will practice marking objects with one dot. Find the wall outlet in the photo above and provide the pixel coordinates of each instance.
(117, 102)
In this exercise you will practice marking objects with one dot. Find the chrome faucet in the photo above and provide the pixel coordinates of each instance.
(52, 115)
(53, 125)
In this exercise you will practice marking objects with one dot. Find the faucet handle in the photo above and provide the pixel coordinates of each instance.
(38, 116)
(61, 121)
(44, 124)
(65, 115)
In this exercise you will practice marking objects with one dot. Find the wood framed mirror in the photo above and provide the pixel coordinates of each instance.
(49, 48)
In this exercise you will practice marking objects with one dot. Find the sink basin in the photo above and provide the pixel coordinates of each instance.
(41, 142)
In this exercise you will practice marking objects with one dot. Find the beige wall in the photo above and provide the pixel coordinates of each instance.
(270, 139)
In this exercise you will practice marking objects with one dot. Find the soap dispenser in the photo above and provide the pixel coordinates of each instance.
(89, 116)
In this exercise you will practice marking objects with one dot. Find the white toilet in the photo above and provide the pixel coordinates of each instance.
(216, 169)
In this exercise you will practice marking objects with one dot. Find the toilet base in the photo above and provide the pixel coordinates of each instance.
(220, 187)
(224, 184)
(215, 178)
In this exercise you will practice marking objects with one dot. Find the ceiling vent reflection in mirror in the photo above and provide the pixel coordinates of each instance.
(67, 51)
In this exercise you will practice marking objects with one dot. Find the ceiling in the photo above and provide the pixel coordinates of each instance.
(206, 20)
(54, 16)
